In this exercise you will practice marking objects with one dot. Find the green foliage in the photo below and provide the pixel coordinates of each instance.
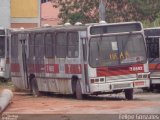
(147, 10)
(72, 11)
(87, 11)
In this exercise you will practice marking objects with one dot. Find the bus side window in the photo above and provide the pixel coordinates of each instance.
(31, 45)
(39, 45)
(153, 47)
(61, 45)
(14, 46)
(49, 45)
(73, 45)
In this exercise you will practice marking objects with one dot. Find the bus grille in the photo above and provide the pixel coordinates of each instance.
(121, 86)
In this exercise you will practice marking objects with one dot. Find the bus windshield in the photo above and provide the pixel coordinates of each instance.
(2, 46)
(117, 50)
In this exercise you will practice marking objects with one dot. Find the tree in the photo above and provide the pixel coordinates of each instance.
(146, 9)
(72, 11)
(86, 11)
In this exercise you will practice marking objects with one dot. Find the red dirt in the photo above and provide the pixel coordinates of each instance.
(23, 103)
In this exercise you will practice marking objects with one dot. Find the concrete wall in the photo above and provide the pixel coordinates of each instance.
(5, 13)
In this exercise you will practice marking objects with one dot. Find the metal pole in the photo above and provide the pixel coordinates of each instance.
(102, 10)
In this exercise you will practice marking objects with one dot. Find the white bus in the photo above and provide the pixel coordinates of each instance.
(4, 54)
(153, 45)
(80, 59)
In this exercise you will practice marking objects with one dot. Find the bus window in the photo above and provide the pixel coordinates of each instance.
(31, 45)
(49, 45)
(153, 47)
(73, 45)
(128, 45)
(39, 46)
(117, 50)
(61, 45)
(2, 44)
(14, 46)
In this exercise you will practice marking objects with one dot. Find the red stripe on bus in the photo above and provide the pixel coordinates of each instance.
(41, 68)
(73, 69)
(154, 66)
(115, 71)
(15, 67)
(52, 68)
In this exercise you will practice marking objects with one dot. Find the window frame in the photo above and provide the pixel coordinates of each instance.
(61, 45)
(39, 45)
(52, 45)
(72, 44)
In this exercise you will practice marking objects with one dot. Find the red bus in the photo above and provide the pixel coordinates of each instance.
(153, 46)
(90, 59)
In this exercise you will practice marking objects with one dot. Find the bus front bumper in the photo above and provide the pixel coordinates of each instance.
(112, 86)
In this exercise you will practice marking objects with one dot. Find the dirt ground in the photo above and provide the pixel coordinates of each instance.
(27, 104)
(23, 103)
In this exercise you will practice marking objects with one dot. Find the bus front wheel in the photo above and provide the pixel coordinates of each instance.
(34, 87)
(78, 91)
(129, 94)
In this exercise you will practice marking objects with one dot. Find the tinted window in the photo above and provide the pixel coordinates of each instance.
(117, 50)
(73, 45)
(115, 28)
(61, 45)
(14, 46)
(153, 47)
(31, 45)
(39, 45)
(2, 46)
(49, 45)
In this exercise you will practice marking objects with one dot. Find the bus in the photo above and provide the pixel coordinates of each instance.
(89, 59)
(4, 54)
(153, 45)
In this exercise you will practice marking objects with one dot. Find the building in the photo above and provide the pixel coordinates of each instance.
(49, 14)
(25, 13)
(4, 13)
(20, 13)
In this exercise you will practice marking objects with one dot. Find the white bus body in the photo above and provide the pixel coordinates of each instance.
(86, 59)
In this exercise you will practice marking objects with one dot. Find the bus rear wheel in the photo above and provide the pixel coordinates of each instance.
(78, 91)
(34, 87)
(129, 94)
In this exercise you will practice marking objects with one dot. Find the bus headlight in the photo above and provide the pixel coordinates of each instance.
(142, 75)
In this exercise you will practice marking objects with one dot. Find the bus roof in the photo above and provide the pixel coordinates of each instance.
(52, 28)
(75, 27)
(152, 32)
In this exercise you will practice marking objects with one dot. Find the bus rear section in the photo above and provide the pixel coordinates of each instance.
(87, 59)
(4, 54)
(153, 45)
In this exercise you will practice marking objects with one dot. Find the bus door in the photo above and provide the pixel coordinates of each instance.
(23, 59)
(84, 49)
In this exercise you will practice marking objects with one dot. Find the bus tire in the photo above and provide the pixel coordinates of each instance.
(129, 94)
(34, 87)
(78, 91)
